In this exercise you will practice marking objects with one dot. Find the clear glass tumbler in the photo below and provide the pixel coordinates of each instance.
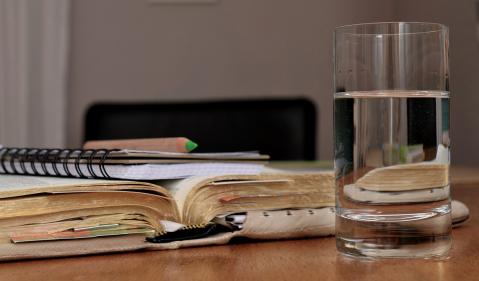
(391, 131)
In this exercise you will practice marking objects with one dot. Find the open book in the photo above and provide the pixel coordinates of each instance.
(426, 181)
(53, 217)
(39, 209)
(405, 183)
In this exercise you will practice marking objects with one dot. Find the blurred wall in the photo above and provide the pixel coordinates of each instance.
(464, 66)
(129, 50)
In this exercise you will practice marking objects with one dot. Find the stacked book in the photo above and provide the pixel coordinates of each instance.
(124, 196)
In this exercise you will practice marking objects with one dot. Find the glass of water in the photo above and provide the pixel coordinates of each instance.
(391, 131)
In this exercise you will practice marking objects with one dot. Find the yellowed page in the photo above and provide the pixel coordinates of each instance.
(197, 190)
(18, 185)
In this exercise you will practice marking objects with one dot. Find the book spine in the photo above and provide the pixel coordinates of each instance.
(81, 163)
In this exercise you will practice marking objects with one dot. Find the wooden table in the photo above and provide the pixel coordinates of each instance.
(311, 259)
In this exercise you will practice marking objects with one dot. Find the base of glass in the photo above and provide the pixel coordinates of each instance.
(433, 248)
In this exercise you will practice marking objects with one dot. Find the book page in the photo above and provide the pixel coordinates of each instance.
(179, 189)
(184, 188)
(18, 185)
(241, 193)
(18, 182)
(176, 171)
(134, 172)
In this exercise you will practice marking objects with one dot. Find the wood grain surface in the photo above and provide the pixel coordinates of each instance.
(310, 259)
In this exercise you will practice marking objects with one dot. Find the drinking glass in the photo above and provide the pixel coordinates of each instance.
(391, 132)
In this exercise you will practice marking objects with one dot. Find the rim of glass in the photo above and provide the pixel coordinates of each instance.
(435, 28)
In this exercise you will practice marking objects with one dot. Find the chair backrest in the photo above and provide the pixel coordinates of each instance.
(283, 128)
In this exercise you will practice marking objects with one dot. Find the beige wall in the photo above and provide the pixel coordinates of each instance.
(464, 63)
(128, 50)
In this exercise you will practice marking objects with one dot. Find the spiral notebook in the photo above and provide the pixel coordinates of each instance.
(126, 164)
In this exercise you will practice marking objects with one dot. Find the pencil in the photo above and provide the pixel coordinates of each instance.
(177, 144)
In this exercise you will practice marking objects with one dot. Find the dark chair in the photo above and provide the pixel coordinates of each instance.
(283, 128)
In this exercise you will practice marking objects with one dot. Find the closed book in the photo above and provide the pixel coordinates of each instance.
(126, 163)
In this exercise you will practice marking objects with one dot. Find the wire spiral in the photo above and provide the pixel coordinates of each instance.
(35, 161)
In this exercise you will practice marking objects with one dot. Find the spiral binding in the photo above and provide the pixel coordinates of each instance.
(15, 160)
